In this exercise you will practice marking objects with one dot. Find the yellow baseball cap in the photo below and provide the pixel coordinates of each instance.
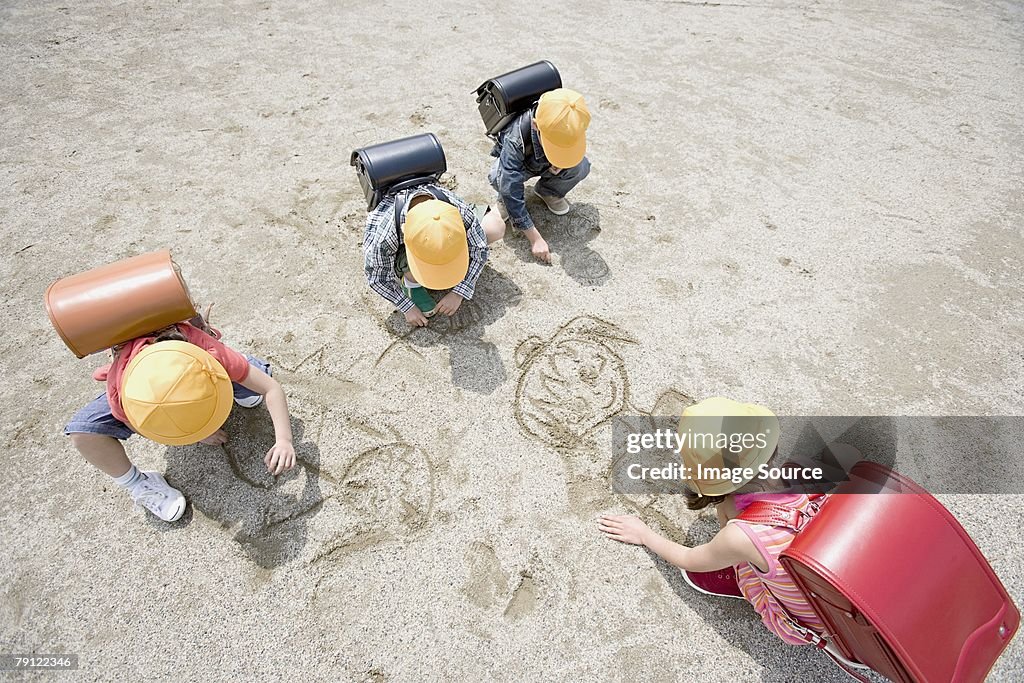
(723, 433)
(435, 242)
(562, 119)
(175, 393)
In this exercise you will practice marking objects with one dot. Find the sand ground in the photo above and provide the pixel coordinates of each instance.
(812, 205)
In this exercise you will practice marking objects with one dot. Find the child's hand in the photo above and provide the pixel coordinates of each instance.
(538, 246)
(280, 457)
(541, 251)
(624, 528)
(449, 303)
(415, 317)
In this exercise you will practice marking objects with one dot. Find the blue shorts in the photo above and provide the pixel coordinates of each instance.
(96, 418)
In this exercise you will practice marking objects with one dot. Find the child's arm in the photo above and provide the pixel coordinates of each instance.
(281, 456)
(730, 546)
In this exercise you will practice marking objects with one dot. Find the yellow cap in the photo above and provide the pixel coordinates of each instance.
(742, 435)
(175, 393)
(435, 242)
(562, 120)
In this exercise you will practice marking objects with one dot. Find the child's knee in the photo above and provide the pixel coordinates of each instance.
(583, 169)
(83, 440)
(494, 226)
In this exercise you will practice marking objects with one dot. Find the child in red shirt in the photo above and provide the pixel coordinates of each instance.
(98, 429)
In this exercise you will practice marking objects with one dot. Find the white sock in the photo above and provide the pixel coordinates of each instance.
(130, 478)
(411, 284)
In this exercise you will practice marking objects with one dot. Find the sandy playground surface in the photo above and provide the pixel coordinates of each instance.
(812, 205)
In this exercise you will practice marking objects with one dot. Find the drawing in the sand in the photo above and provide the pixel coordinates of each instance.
(571, 383)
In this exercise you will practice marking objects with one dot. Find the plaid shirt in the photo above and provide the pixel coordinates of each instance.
(381, 245)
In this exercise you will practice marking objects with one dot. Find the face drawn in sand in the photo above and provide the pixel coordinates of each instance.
(571, 387)
(571, 383)
(385, 493)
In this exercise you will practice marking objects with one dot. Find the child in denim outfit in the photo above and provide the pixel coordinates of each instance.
(555, 151)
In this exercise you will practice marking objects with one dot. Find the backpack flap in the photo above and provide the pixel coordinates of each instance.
(899, 584)
(500, 98)
(114, 303)
(383, 166)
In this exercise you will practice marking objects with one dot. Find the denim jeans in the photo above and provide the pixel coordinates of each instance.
(552, 185)
(513, 167)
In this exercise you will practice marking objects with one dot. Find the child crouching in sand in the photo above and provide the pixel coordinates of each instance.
(176, 387)
(742, 560)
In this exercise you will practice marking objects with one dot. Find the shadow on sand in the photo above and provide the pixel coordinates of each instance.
(230, 485)
(567, 236)
(476, 364)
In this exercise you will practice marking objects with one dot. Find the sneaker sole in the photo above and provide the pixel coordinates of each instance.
(243, 402)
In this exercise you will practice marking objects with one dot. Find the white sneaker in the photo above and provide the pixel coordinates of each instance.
(252, 401)
(159, 497)
(556, 205)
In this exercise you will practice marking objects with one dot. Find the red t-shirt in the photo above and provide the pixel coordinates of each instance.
(235, 364)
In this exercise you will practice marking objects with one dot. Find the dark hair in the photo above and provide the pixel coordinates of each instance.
(695, 501)
(169, 334)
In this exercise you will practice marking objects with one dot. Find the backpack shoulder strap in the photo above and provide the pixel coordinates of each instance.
(526, 133)
(438, 195)
(776, 514)
(400, 199)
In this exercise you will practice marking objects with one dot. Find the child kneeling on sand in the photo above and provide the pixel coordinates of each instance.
(430, 240)
(174, 387)
(742, 560)
(550, 141)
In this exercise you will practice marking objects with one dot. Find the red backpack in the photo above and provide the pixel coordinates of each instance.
(898, 583)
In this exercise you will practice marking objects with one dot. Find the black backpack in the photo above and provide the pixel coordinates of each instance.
(503, 98)
(390, 167)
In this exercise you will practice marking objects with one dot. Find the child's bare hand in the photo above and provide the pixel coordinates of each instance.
(624, 528)
(538, 245)
(415, 317)
(449, 303)
(218, 438)
(541, 251)
(280, 457)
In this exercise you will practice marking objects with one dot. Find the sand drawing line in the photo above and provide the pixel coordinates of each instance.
(441, 327)
(318, 355)
(236, 469)
(308, 511)
(389, 490)
(571, 383)
(586, 266)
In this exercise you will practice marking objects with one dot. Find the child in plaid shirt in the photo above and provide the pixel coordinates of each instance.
(426, 238)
